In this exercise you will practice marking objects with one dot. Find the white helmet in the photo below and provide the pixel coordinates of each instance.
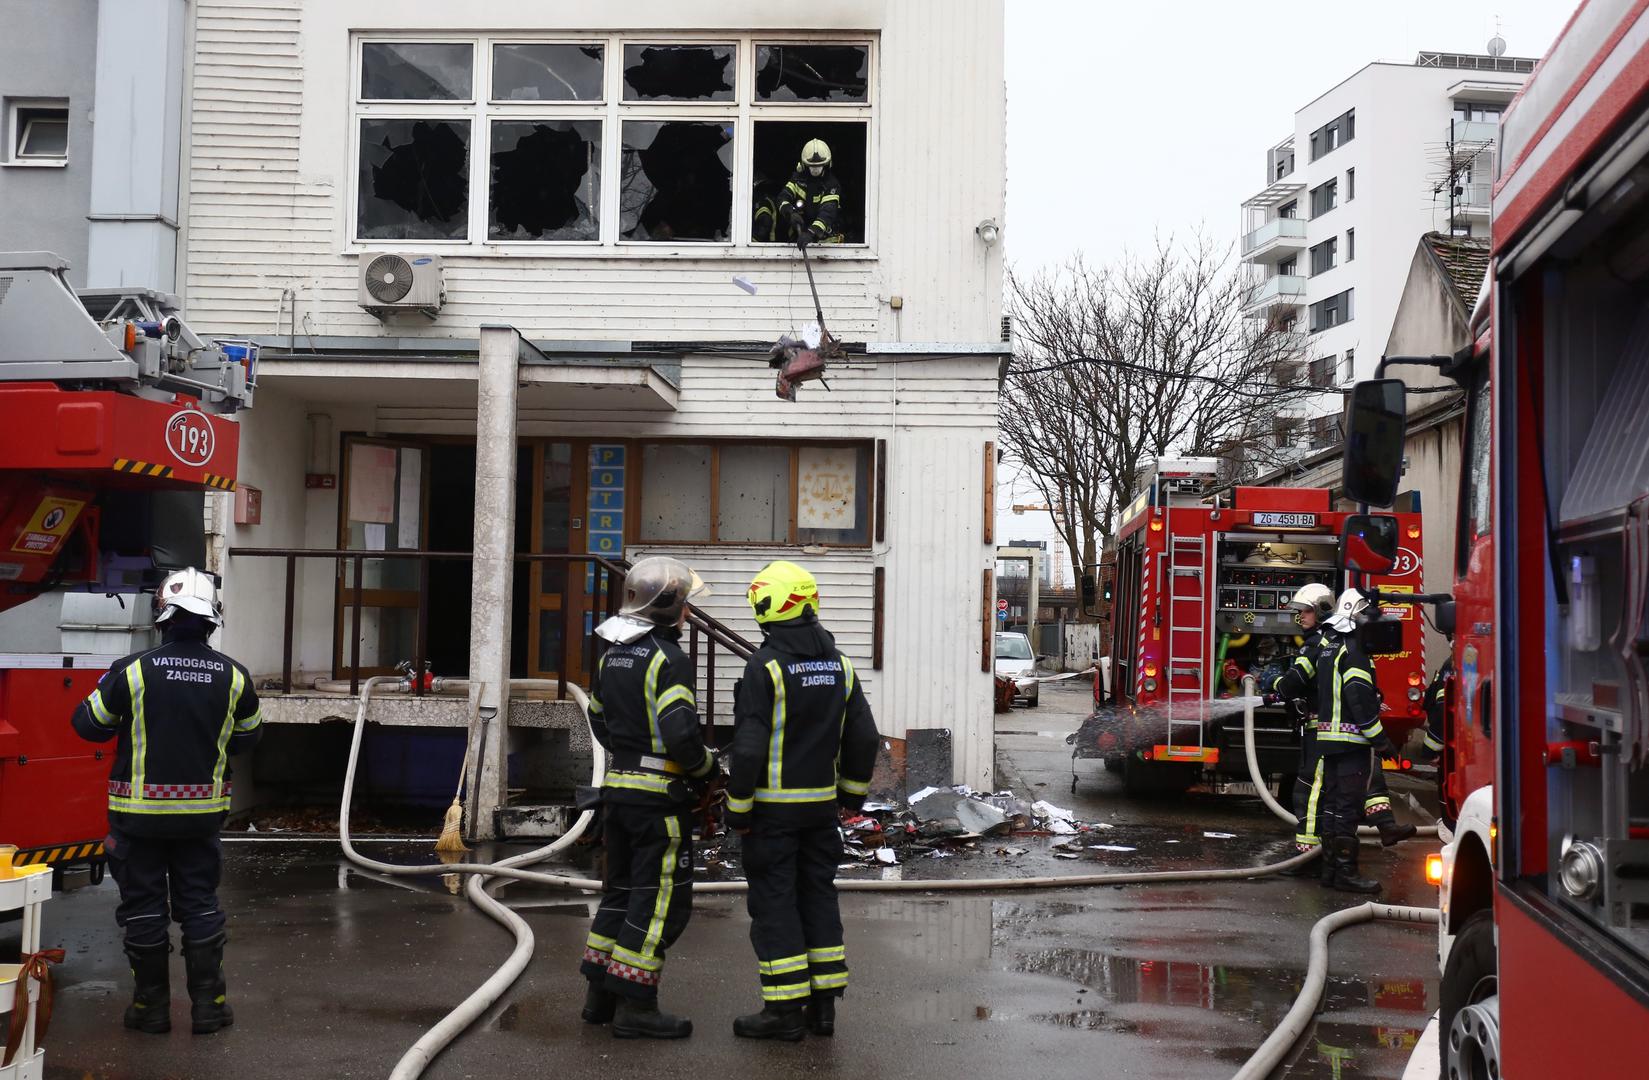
(1314, 597)
(1350, 612)
(187, 590)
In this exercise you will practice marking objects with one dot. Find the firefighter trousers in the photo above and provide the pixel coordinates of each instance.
(1304, 800)
(646, 900)
(795, 922)
(1343, 785)
(163, 880)
(1377, 802)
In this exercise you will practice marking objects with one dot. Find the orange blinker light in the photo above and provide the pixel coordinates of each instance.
(1414, 532)
(1434, 869)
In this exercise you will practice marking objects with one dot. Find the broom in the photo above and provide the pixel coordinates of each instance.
(451, 840)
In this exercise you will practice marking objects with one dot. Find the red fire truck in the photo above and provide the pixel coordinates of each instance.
(1202, 584)
(1544, 937)
(111, 430)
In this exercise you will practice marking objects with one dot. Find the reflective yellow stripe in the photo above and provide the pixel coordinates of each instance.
(140, 732)
(168, 806)
(100, 712)
(832, 981)
(708, 764)
(1304, 661)
(854, 787)
(782, 966)
(793, 795)
(676, 693)
(249, 723)
(1307, 833)
(634, 781)
(829, 198)
(796, 189)
(666, 886)
(237, 684)
(1432, 742)
(848, 664)
(635, 959)
(651, 691)
(1374, 731)
(825, 956)
(775, 741)
(819, 224)
(1355, 673)
(788, 992)
(740, 806)
(599, 943)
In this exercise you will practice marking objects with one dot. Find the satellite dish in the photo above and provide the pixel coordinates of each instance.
(1497, 46)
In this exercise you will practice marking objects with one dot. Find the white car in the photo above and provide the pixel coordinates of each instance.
(1014, 660)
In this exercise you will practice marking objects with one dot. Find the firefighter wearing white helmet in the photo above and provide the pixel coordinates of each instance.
(643, 712)
(180, 712)
(1348, 725)
(813, 198)
(1296, 687)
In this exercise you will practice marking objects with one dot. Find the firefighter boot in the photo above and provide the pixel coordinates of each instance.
(821, 1014)
(636, 1019)
(150, 1010)
(1305, 869)
(1343, 854)
(599, 1004)
(203, 967)
(773, 1022)
(1393, 833)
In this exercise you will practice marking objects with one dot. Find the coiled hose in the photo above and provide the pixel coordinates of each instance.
(418, 1057)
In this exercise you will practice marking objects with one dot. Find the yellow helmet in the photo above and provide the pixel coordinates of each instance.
(816, 152)
(782, 591)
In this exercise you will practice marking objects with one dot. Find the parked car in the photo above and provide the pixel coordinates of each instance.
(1014, 660)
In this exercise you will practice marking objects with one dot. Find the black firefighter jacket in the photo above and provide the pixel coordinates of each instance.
(643, 713)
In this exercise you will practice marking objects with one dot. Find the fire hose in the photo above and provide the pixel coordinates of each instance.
(419, 1056)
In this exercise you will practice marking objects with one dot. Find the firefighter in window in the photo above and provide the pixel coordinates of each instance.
(811, 203)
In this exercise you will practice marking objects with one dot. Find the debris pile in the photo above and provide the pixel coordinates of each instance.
(943, 822)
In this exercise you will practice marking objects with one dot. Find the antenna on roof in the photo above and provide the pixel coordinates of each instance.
(1497, 44)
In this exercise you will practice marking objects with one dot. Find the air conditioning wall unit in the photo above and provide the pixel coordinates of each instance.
(395, 283)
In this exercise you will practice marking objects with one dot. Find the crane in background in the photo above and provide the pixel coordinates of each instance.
(1058, 512)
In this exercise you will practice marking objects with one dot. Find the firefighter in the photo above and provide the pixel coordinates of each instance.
(813, 198)
(803, 752)
(643, 713)
(1348, 725)
(1435, 696)
(180, 712)
(1296, 687)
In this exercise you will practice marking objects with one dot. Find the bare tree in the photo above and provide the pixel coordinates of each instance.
(1114, 366)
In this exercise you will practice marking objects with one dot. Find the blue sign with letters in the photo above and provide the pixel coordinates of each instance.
(604, 525)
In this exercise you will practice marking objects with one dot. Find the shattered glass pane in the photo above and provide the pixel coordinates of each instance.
(547, 72)
(676, 180)
(546, 180)
(812, 72)
(414, 180)
(678, 72)
(416, 70)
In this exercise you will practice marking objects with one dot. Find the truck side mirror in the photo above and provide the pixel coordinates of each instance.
(1443, 617)
(1375, 425)
(1369, 543)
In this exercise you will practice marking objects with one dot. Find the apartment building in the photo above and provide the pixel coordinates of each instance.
(574, 194)
(1391, 153)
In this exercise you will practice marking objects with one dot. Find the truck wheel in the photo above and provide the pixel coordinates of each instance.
(1470, 976)
(1114, 763)
(1145, 778)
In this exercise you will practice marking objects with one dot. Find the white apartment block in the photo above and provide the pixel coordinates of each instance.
(1393, 152)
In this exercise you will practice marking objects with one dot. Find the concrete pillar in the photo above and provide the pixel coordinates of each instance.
(493, 571)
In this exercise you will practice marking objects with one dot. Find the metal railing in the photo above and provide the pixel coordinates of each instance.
(1282, 228)
(703, 631)
(1277, 287)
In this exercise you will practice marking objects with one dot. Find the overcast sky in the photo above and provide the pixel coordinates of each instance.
(1126, 120)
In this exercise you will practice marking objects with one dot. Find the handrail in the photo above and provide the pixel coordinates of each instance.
(606, 593)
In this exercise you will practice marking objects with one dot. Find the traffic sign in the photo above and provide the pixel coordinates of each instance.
(1002, 606)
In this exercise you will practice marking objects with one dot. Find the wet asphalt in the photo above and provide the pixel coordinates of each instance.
(334, 972)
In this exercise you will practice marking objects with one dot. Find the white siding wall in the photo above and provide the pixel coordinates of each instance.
(271, 172)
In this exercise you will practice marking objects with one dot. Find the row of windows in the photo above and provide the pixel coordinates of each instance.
(1335, 310)
(677, 143)
(1323, 255)
(1334, 134)
(755, 493)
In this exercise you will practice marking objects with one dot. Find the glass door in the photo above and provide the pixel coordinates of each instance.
(556, 587)
(382, 508)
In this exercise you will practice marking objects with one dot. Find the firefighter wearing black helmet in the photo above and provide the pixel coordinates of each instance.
(643, 713)
(803, 753)
(179, 711)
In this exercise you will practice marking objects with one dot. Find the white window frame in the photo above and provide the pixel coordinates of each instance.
(743, 112)
(14, 137)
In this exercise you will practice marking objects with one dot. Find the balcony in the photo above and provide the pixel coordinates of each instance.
(1278, 289)
(1274, 241)
(1474, 201)
(1473, 131)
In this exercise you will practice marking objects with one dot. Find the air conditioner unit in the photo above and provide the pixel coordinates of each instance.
(391, 283)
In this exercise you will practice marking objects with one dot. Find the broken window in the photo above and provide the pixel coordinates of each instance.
(678, 72)
(546, 180)
(675, 492)
(417, 70)
(812, 72)
(753, 494)
(676, 180)
(777, 158)
(547, 72)
(414, 179)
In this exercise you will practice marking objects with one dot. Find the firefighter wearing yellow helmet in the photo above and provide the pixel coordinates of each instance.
(812, 200)
(803, 751)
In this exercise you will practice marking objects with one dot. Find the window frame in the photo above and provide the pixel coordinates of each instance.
(1332, 186)
(14, 136)
(1330, 249)
(794, 448)
(741, 113)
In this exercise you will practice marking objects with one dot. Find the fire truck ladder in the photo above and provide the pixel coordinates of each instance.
(1188, 611)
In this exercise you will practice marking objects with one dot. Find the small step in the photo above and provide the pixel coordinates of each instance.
(545, 821)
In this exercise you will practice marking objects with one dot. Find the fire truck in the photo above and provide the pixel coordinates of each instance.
(114, 423)
(1203, 580)
(1544, 931)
